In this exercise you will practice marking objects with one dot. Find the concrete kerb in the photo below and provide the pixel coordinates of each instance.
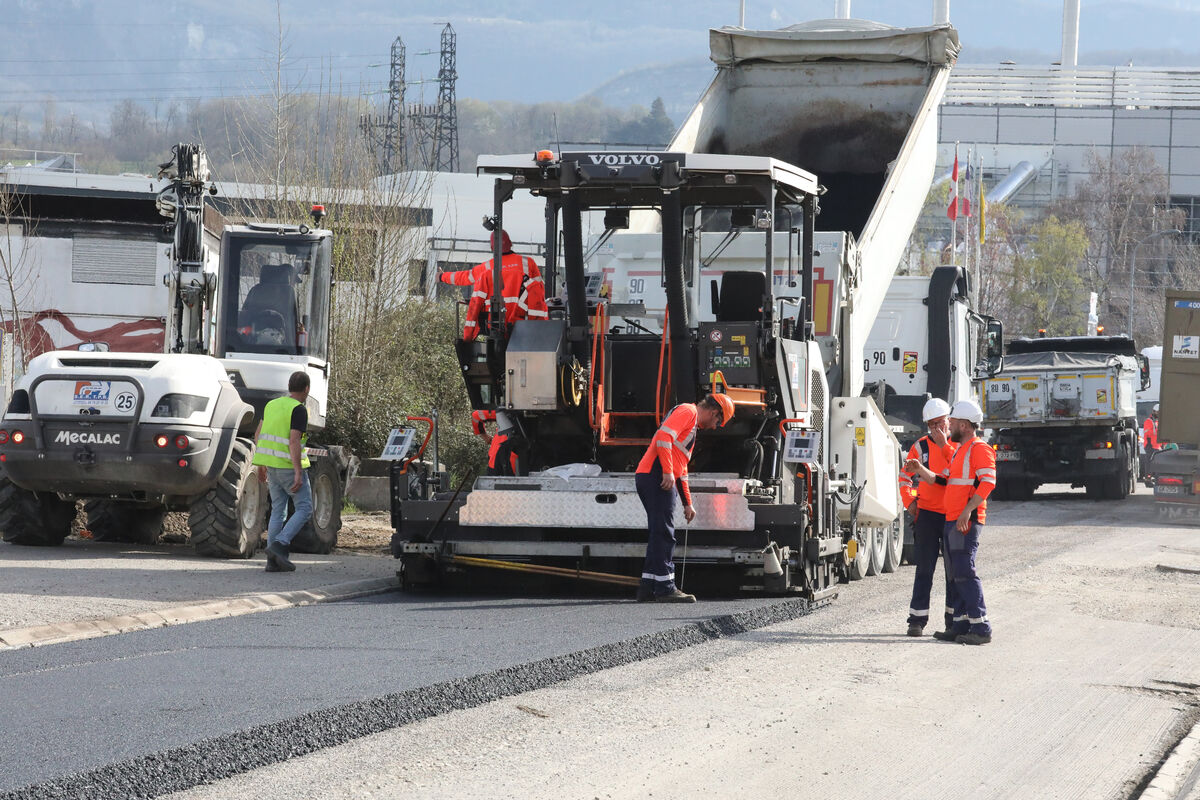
(37, 635)
(1169, 781)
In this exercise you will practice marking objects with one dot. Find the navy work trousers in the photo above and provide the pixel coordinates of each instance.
(970, 614)
(927, 546)
(658, 571)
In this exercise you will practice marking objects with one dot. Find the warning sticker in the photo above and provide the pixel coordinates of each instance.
(909, 365)
(1185, 347)
(860, 436)
(1102, 395)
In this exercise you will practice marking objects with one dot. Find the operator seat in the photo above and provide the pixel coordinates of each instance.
(741, 297)
(274, 293)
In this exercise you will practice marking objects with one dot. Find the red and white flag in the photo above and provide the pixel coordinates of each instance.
(952, 208)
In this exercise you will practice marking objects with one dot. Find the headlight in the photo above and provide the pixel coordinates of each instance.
(179, 405)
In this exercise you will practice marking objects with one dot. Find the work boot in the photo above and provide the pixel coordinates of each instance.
(974, 638)
(280, 551)
(645, 595)
(916, 630)
(945, 636)
(676, 597)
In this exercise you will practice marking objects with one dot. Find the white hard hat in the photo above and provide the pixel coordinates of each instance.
(934, 407)
(968, 410)
(1156, 407)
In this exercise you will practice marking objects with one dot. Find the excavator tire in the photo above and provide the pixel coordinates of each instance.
(37, 519)
(110, 521)
(320, 534)
(227, 521)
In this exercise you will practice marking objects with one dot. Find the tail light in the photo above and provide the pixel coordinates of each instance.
(1102, 446)
(17, 437)
(162, 440)
(181, 441)
(3, 437)
(1173, 481)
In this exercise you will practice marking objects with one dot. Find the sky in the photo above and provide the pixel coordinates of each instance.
(91, 52)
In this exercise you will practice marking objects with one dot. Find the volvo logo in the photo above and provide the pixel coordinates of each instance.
(625, 159)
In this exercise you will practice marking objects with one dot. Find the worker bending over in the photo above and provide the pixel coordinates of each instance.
(925, 502)
(662, 471)
(502, 459)
(970, 478)
(522, 288)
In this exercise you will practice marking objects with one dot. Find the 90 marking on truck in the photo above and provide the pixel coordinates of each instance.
(878, 358)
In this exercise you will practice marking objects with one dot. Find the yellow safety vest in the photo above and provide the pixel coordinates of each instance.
(271, 450)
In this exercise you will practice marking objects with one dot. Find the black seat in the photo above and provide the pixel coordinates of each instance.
(741, 297)
(273, 293)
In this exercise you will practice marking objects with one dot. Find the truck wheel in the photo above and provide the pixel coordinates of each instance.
(1094, 488)
(894, 541)
(227, 520)
(111, 521)
(877, 541)
(1116, 486)
(858, 567)
(37, 519)
(320, 534)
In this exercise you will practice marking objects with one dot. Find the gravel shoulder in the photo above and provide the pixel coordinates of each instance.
(86, 580)
(1092, 678)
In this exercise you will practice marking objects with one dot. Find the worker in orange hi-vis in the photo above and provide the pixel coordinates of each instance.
(662, 470)
(522, 288)
(970, 478)
(925, 502)
(501, 458)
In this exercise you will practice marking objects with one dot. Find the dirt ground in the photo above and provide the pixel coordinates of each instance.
(367, 533)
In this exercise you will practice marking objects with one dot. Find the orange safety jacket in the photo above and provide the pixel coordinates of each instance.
(971, 472)
(1150, 434)
(523, 291)
(672, 447)
(929, 496)
(465, 277)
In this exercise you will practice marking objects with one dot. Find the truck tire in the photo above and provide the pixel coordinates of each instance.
(227, 521)
(1094, 488)
(1116, 486)
(320, 534)
(877, 541)
(894, 544)
(112, 521)
(35, 519)
(857, 568)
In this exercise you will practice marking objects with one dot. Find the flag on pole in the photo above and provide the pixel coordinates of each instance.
(952, 209)
(982, 208)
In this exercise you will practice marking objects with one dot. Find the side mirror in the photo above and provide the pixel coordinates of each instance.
(1144, 363)
(995, 345)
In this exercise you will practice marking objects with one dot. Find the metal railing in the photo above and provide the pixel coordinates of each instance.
(1119, 87)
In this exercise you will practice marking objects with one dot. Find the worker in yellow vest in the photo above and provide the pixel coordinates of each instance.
(281, 460)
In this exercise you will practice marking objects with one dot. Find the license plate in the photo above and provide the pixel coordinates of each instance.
(1173, 490)
(1008, 455)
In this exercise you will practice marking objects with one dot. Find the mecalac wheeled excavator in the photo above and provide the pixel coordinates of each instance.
(135, 435)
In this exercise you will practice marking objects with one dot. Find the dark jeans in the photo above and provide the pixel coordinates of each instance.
(970, 613)
(927, 544)
(658, 572)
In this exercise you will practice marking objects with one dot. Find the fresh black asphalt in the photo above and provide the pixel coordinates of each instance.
(142, 714)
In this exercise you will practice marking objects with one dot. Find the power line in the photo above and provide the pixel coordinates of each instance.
(55, 75)
(157, 60)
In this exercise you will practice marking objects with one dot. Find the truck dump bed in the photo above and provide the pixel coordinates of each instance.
(853, 102)
(1059, 388)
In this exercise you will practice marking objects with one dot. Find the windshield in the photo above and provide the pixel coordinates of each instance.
(276, 295)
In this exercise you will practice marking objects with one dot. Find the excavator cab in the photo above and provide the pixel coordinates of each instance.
(273, 291)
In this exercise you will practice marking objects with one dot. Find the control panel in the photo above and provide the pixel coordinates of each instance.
(732, 348)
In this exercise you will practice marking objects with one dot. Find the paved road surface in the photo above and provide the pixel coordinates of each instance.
(1091, 679)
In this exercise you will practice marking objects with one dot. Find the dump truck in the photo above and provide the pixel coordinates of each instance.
(1176, 468)
(137, 434)
(805, 476)
(1063, 410)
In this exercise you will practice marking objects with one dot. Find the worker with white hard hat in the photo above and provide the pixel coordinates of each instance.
(1150, 432)
(925, 502)
(970, 478)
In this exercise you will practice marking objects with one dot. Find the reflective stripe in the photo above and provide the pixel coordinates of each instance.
(985, 471)
(480, 295)
(536, 280)
(663, 445)
(961, 482)
(916, 613)
(961, 618)
(667, 429)
(946, 472)
(649, 576)
(512, 299)
(976, 620)
(264, 448)
(539, 314)
(470, 324)
(270, 437)
(682, 449)
(949, 609)
(984, 480)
